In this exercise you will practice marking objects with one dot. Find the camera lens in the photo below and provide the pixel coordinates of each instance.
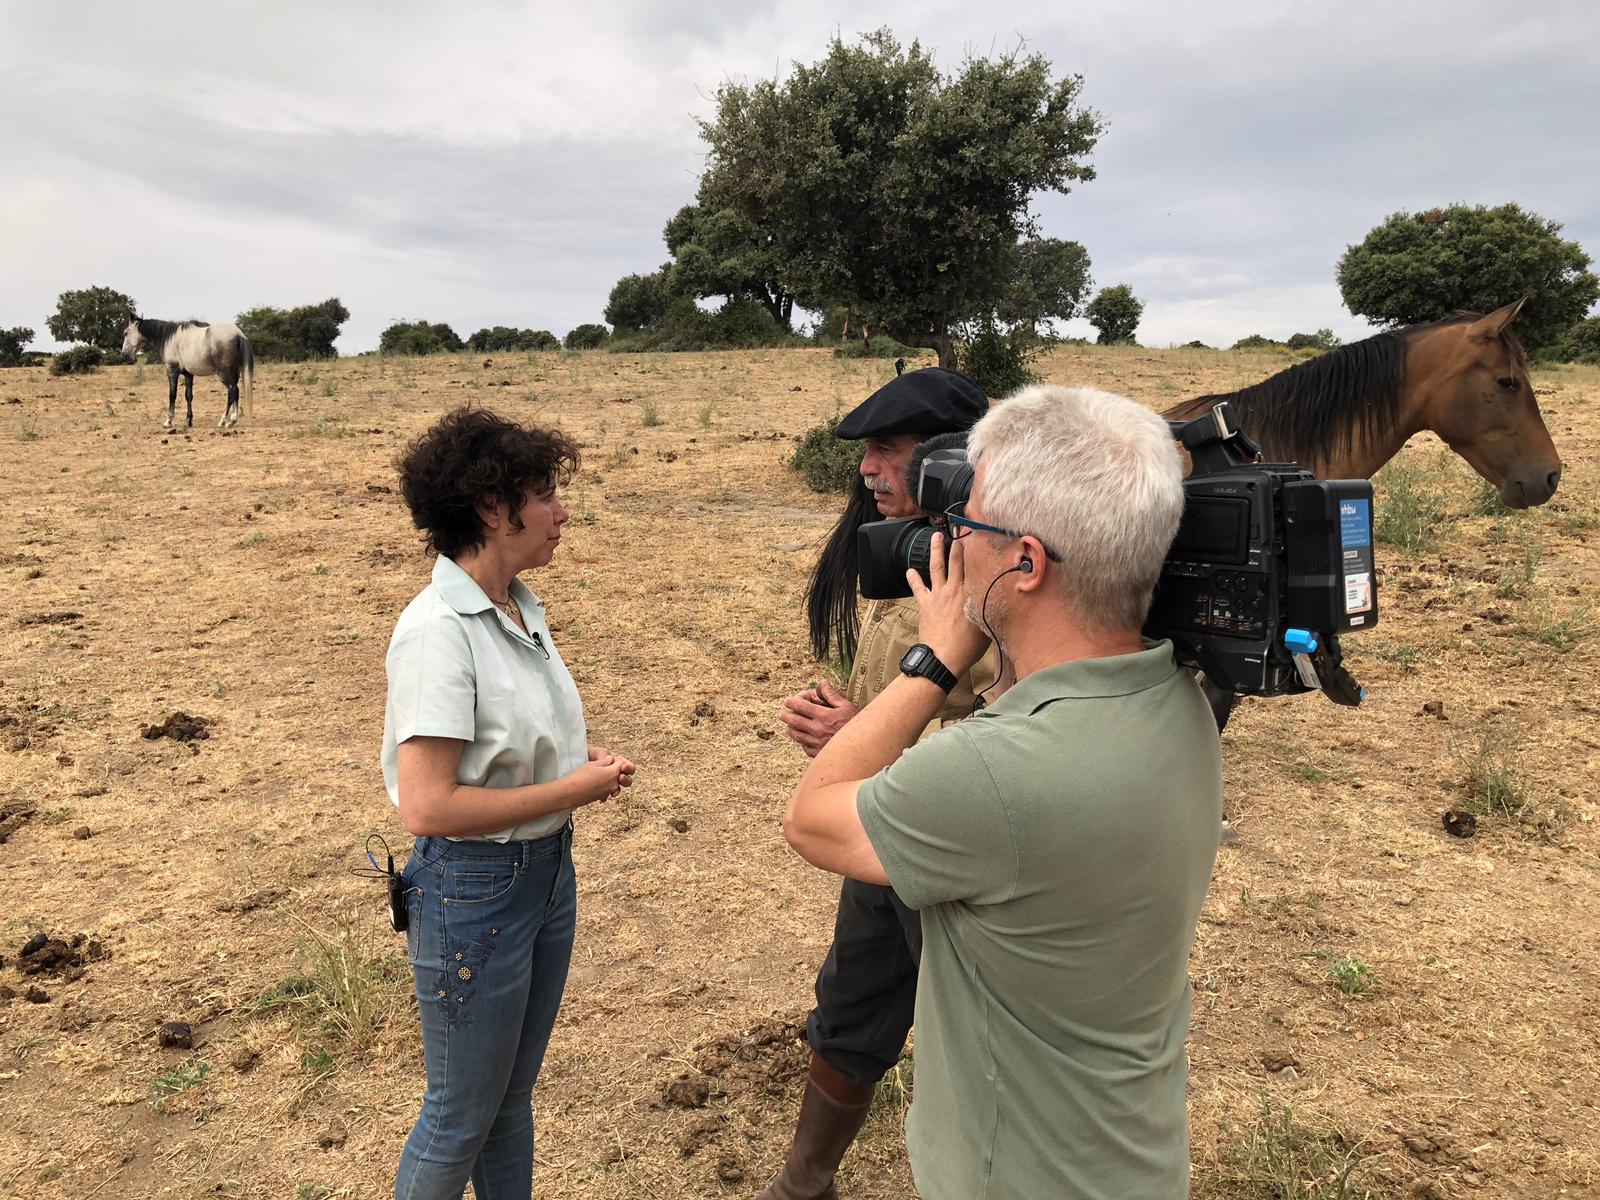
(916, 550)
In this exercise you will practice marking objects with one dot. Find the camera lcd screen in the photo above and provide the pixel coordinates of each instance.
(1213, 529)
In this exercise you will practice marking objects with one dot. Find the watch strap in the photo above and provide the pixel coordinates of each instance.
(927, 666)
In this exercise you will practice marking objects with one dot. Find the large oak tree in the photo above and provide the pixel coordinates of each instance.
(1425, 266)
(877, 181)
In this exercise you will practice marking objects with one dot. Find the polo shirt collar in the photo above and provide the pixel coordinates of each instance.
(1087, 678)
(458, 589)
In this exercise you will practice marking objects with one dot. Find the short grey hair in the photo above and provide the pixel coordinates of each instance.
(1097, 479)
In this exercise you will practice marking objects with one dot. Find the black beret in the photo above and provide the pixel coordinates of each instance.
(932, 400)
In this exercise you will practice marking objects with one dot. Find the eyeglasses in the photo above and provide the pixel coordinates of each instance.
(961, 525)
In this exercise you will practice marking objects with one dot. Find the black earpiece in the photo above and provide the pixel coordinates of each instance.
(1025, 565)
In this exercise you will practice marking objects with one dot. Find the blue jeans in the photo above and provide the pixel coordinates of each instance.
(489, 943)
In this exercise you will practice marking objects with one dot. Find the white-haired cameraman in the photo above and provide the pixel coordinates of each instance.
(1058, 844)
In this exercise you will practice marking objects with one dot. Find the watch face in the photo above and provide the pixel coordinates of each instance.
(915, 658)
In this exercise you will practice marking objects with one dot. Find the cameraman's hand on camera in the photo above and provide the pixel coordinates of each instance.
(603, 776)
(942, 622)
(813, 716)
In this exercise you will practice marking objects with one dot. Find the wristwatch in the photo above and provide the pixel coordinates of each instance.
(920, 662)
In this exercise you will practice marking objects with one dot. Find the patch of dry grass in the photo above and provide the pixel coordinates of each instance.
(677, 603)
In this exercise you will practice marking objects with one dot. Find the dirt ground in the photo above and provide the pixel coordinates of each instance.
(252, 580)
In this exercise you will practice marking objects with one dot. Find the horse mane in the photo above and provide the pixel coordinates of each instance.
(1317, 408)
(156, 333)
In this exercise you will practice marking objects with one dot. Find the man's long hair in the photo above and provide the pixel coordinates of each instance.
(831, 598)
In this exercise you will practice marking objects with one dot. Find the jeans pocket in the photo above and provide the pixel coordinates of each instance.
(482, 883)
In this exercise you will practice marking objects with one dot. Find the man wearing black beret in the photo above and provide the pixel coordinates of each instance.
(867, 987)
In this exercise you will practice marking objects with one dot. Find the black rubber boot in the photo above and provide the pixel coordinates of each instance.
(832, 1112)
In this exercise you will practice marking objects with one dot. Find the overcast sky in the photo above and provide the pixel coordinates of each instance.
(505, 163)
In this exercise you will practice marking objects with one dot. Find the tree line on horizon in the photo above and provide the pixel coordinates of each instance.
(894, 202)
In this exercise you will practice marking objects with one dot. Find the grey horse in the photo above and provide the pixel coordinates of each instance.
(190, 348)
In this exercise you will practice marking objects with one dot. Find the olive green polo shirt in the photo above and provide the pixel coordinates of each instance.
(1059, 845)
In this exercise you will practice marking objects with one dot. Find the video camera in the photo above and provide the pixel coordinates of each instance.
(1269, 566)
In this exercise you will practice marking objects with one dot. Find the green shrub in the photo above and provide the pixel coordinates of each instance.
(1413, 506)
(504, 337)
(743, 324)
(80, 360)
(997, 362)
(1351, 974)
(294, 334)
(639, 301)
(419, 337)
(740, 324)
(13, 346)
(587, 337)
(1493, 780)
(1559, 633)
(829, 463)
(1322, 339)
(1581, 343)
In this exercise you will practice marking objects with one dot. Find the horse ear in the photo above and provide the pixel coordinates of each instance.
(1492, 325)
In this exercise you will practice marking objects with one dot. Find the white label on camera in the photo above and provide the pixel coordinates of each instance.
(1358, 592)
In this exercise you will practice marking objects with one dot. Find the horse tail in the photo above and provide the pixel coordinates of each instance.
(249, 373)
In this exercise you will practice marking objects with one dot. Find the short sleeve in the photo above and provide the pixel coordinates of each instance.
(938, 825)
(432, 682)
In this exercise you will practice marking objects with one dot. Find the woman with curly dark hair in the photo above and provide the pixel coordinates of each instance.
(486, 754)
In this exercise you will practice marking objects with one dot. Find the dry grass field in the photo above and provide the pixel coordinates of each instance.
(1380, 1007)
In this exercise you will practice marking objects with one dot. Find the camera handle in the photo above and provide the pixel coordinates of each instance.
(1214, 441)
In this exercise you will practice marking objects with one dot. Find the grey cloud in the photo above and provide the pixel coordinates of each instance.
(1248, 145)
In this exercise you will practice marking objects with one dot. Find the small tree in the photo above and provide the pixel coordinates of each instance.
(1418, 267)
(504, 337)
(1582, 342)
(294, 334)
(639, 301)
(587, 337)
(721, 252)
(1322, 339)
(419, 337)
(14, 345)
(96, 315)
(997, 361)
(79, 360)
(1115, 312)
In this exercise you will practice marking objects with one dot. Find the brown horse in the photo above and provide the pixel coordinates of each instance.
(1345, 413)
